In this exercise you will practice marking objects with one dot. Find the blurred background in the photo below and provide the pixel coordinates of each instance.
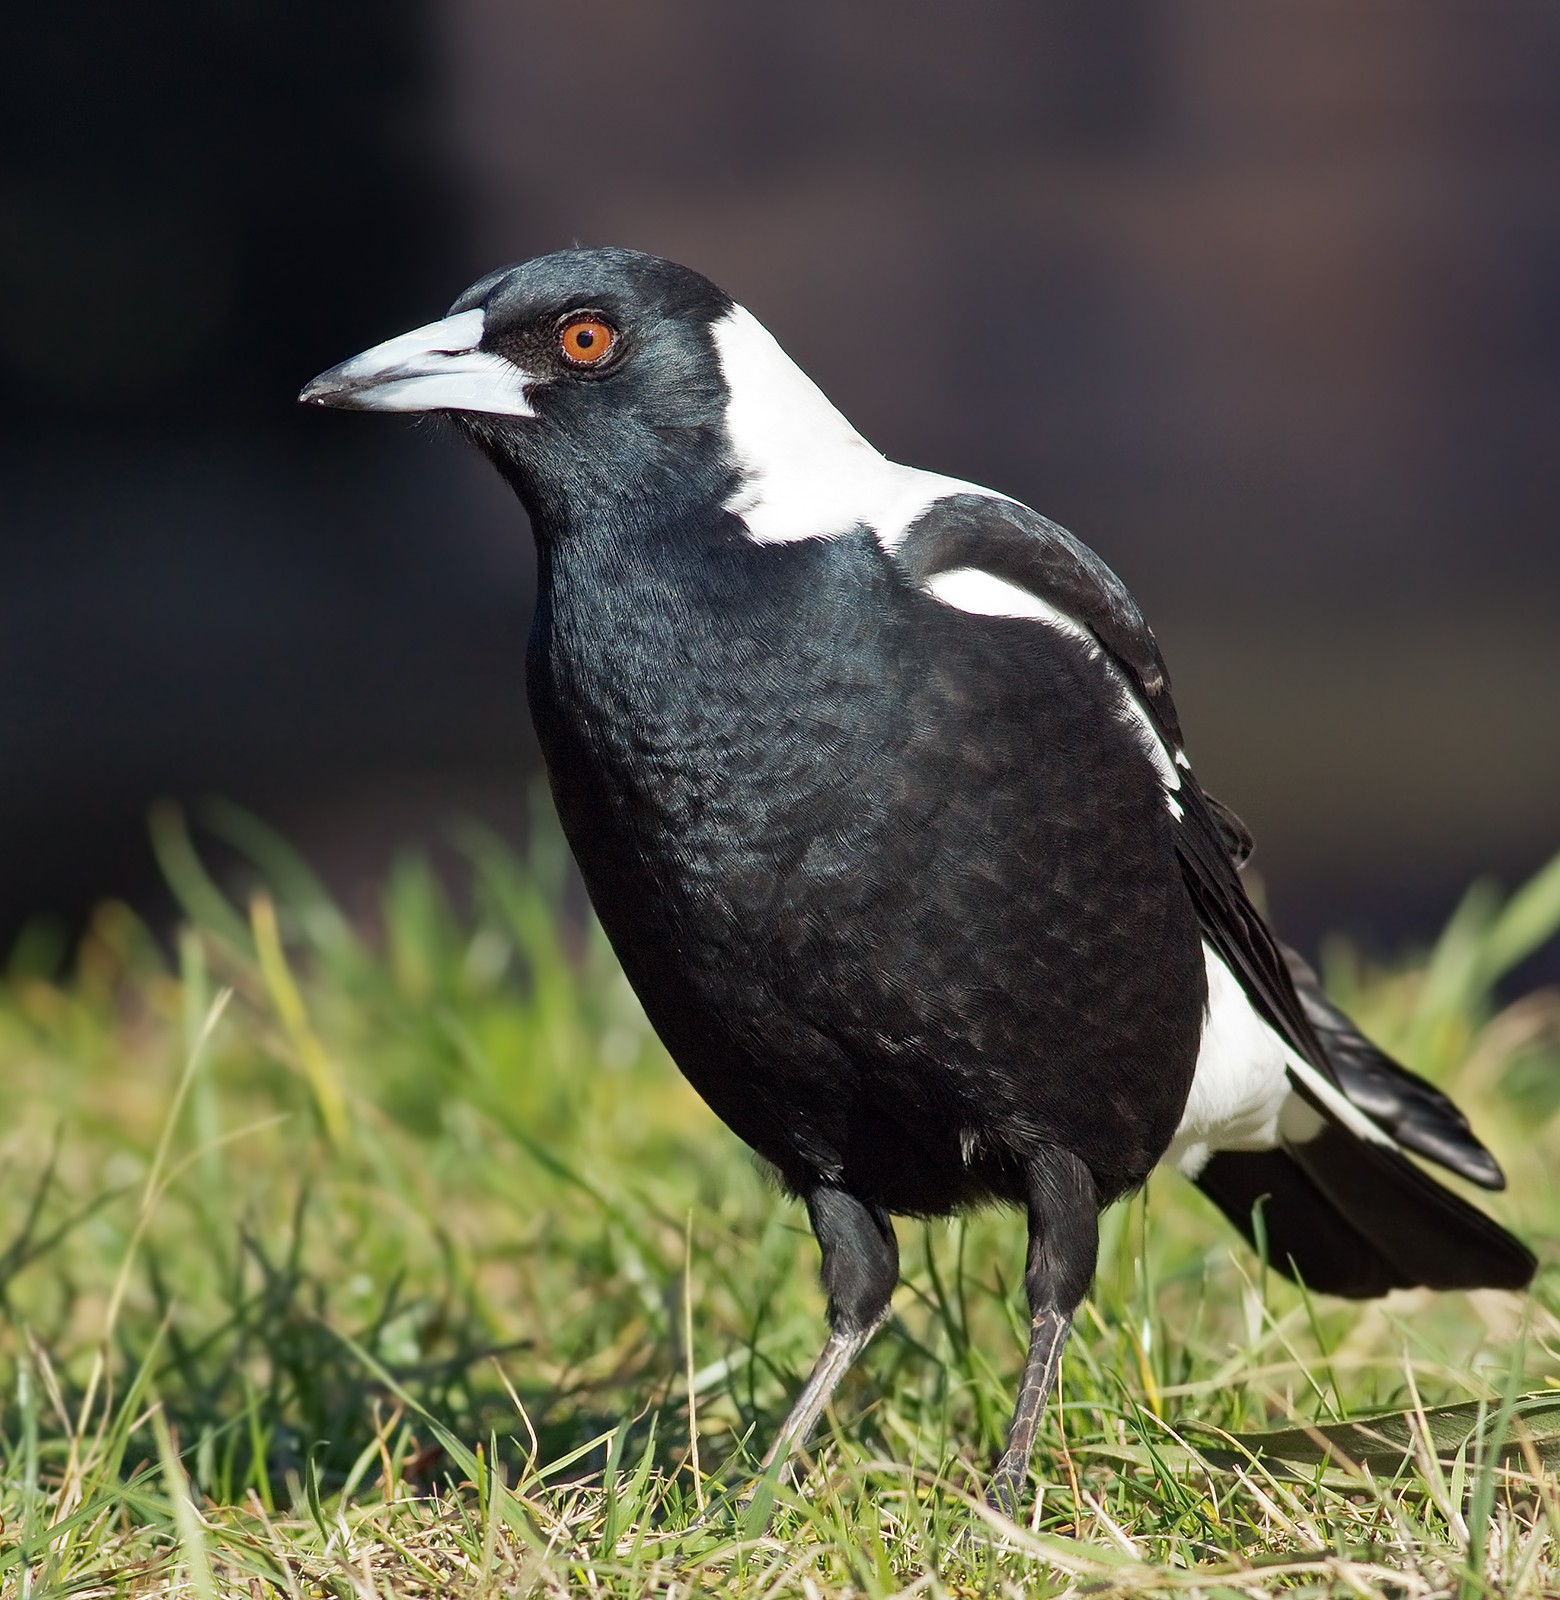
(1278, 289)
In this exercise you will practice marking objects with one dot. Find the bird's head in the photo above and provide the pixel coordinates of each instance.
(609, 382)
(589, 377)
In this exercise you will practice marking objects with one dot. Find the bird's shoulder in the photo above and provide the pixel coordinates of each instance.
(982, 552)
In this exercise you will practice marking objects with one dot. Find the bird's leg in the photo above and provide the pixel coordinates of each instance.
(1063, 1246)
(859, 1271)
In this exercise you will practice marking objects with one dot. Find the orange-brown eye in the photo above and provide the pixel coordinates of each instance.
(586, 341)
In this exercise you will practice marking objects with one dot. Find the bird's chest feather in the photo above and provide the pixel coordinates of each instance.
(707, 727)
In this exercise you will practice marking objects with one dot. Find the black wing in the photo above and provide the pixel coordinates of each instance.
(1348, 1212)
(1414, 1112)
(1023, 548)
(1020, 546)
(1417, 1115)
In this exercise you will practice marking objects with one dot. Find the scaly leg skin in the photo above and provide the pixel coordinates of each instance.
(1063, 1246)
(1047, 1335)
(860, 1268)
(839, 1354)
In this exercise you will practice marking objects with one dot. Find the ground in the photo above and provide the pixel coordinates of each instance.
(401, 1262)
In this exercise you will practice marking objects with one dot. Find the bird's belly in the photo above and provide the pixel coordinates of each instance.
(891, 942)
(910, 1011)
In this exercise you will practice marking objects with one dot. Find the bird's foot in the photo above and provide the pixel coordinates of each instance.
(1005, 1493)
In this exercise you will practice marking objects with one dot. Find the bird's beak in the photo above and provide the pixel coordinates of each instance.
(437, 368)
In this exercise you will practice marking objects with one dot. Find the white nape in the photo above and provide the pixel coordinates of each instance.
(805, 471)
(1243, 1096)
(436, 368)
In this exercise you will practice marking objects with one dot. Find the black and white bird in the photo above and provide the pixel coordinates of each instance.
(877, 786)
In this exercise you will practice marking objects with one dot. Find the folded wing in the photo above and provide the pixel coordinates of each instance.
(1330, 1194)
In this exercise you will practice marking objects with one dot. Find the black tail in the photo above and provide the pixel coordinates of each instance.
(1349, 1216)
(1352, 1218)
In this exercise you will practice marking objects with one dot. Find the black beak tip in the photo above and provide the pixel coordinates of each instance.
(318, 391)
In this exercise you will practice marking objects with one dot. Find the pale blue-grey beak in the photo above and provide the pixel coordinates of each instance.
(436, 368)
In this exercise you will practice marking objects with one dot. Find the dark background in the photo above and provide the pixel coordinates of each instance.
(1262, 301)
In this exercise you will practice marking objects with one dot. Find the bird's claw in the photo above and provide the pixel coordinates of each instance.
(1005, 1491)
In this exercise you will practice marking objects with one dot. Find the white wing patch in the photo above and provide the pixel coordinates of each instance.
(806, 472)
(984, 594)
(1243, 1097)
(970, 589)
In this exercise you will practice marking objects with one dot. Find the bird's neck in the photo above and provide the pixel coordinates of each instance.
(642, 486)
(644, 622)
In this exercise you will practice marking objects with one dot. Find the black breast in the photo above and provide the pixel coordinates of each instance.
(894, 884)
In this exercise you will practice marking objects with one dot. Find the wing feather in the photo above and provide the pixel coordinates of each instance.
(1021, 547)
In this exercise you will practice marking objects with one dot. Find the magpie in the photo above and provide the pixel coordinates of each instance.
(877, 786)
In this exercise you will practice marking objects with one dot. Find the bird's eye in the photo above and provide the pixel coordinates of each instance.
(586, 341)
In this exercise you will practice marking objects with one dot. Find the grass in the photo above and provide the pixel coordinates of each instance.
(407, 1265)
